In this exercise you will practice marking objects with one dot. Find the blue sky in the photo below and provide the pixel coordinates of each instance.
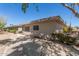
(13, 14)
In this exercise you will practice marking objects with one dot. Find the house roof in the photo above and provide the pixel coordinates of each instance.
(57, 19)
(13, 26)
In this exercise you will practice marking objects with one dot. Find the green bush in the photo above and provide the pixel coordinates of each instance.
(70, 40)
(65, 29)
(60, 36)
(65, 38)
(12, 31)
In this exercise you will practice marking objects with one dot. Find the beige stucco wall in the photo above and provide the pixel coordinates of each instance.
(19, 28)
(46, 27)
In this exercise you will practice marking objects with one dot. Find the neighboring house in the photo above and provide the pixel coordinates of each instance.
(75, 30)
(45, 25)
(17, 27)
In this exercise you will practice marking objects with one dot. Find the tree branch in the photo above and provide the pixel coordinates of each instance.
(71, 9)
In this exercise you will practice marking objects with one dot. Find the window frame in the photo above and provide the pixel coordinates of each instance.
(36, 27)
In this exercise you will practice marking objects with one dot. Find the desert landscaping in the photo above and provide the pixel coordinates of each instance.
(23, 45)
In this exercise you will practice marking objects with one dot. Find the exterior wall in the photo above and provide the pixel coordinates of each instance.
(25, 28)
(19, 28)
(46, 27)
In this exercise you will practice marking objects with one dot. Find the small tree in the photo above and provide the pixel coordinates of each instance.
(65, 29)
(2, 23)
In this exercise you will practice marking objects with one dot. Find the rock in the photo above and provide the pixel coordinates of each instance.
(62, 53)
(77, 42)
(45, 48)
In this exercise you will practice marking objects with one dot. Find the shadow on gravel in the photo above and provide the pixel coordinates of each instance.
(20, 39)
(31, 48)
(73, 49)
(3, 42)
(28, 49)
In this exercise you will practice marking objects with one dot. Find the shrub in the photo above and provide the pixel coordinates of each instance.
(54, 36)
(64, 38)
(69, 40)
(12, 31)
(60, 36)
(65, 29)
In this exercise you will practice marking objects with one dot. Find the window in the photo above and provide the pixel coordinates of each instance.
(36, 27)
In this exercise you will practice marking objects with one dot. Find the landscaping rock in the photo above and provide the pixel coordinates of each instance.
(36, 47)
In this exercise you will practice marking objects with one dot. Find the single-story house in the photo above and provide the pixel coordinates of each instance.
(14, 27)
(45, 25)
(75, 30)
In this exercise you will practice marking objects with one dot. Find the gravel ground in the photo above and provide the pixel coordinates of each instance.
(19, 45)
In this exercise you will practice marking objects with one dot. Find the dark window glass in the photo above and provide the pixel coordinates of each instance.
(36, 27)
